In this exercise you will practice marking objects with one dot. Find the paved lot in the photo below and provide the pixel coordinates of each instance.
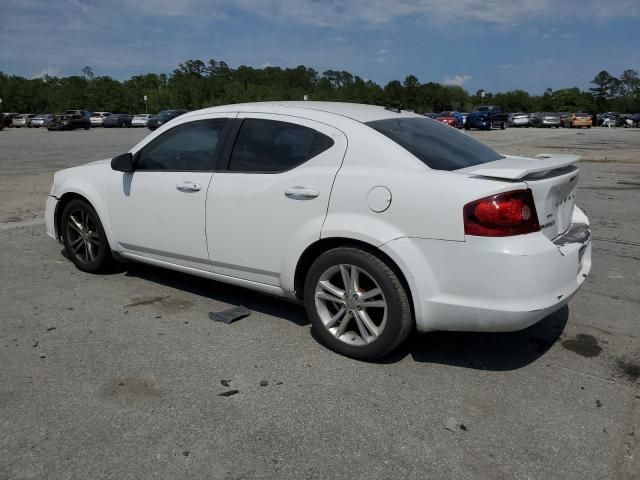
(118, 376)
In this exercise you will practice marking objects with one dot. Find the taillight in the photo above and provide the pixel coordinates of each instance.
(501, 215)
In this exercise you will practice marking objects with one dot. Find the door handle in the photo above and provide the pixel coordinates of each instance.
(189, 187)
(301, 193)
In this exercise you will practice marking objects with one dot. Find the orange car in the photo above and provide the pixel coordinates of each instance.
(577, 120)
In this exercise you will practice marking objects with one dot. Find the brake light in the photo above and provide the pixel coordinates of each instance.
(501, 215)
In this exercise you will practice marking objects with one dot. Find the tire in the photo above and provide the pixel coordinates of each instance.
(388, 325)
(503, 126)
(467, 127)
(124, 125)
(82, 230)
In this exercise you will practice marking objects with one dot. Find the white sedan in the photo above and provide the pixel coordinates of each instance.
(378, 220)
(140, 120)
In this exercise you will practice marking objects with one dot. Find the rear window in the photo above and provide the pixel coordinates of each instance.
(437, 145)
(582, 114)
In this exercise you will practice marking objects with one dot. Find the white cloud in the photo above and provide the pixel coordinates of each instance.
(367, 13)
(457, 80)
(382, 51)
(48, 70)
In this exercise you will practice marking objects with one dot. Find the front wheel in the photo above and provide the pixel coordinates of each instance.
(357, 304)
(84, 238)
(503, 126)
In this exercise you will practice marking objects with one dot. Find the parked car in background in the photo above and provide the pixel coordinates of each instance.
(97, 118)
(23, 120)
(464, 116)
(140, 120)
(577, 120)
(1, 122)
(520, 119)
(8, 119)
(41, 120)
(336, 203)
(84, 113)
(449, 118)
(163, 117)
(635, 118)
(545, 120)
(69, 122)
(486, 117)
(121, 120)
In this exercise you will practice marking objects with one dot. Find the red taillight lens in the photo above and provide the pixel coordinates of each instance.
(501, 215)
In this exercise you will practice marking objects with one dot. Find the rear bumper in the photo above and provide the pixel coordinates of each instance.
(492, 284)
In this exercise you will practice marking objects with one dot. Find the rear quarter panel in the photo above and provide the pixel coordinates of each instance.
(425, 203)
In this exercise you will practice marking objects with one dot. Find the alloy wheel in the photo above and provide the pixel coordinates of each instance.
(83, 236)
(350, 304)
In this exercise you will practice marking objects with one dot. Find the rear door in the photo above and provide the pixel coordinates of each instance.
(274, 195)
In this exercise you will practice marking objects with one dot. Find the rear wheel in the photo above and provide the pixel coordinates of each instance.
(503, 125)
(357, 304)
(84, 238)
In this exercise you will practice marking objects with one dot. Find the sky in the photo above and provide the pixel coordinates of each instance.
(495, 45)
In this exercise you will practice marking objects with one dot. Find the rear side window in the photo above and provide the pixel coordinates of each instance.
(437, 145)
(272, 146)
(193, 146)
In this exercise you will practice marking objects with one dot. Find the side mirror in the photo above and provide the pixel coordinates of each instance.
(122, 163)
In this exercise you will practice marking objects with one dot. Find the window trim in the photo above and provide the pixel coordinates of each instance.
(224, 138)
(238, 122)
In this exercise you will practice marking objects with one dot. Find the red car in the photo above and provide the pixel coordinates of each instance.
(449, 118)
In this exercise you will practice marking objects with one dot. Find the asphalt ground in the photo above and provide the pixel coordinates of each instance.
(120, 376)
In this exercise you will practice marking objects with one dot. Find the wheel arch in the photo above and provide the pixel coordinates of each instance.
(67, 197)
(313, 251)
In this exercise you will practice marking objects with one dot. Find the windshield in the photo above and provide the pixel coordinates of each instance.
(437, 145)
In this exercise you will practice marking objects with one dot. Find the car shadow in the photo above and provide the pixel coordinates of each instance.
(485, 351)
(473, 350)
(221, 292)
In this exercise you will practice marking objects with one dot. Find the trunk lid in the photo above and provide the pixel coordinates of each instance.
(552, 178)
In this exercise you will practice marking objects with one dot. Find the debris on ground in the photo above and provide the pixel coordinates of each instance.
(228, 393)
(185, 453)
(225, 383)
(230, 314)
(264, 383)
(453, 426)
(598, 403)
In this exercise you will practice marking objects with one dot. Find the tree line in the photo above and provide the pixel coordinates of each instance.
(198, 84)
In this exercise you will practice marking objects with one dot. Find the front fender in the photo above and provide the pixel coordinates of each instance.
(97, 196)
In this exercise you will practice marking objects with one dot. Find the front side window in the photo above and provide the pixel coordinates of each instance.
(437, 145)
(274, 146)
(193, 146)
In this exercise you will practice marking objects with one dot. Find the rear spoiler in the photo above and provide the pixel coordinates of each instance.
(516, 168)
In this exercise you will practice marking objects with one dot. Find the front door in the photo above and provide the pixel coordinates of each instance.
(158, 211)
(274, 194)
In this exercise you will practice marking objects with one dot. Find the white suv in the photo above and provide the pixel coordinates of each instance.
(97, 118)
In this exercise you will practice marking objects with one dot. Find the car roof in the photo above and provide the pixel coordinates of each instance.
(359, 112)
